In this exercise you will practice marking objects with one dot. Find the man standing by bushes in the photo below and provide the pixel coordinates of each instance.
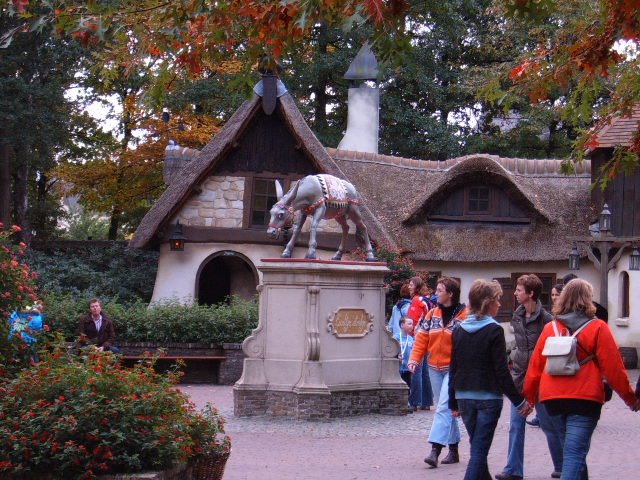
(97, 329)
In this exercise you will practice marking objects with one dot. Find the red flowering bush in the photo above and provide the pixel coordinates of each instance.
(17, 292)
(16, 280)
(77, 416)
(400, 268)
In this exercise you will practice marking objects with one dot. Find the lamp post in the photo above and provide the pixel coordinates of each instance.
(604, 242)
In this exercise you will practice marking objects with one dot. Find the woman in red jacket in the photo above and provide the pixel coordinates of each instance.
(421, 393)
(576, 400)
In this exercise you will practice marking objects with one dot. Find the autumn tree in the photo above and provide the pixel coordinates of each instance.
(588, 60)
(127, 178)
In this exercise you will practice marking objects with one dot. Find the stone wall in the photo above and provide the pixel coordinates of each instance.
(219, 204)
(231, 369)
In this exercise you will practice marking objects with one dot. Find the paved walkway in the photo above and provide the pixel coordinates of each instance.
(378, 447)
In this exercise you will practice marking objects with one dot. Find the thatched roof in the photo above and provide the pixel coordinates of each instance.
(402, 192)
(204, 164)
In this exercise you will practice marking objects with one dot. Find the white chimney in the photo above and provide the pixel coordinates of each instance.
(363, 121)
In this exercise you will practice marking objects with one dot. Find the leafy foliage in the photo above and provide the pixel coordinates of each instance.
(166, 322)
(589, 58)
(97, 270)
(82, 415)
(36, 124)
(17, 289)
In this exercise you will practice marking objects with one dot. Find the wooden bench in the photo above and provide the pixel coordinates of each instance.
(196, 366)
(176, 357)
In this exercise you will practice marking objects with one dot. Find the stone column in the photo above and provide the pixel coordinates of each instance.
(321, 348)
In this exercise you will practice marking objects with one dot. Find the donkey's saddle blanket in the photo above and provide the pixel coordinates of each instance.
(334, 191)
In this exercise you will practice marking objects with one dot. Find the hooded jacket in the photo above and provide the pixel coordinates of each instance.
(586, 384)
(479, 361)
(398, 311)
(526, 332)
(435, 339)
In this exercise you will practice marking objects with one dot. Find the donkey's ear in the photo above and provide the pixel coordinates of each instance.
(279, 192)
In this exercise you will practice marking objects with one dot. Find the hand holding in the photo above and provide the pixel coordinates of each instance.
(455, 413)
(526, 409)
(412, 367)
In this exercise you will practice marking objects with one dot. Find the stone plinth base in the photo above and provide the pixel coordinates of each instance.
(319, 406)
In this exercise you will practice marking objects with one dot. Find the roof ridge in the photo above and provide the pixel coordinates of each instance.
(518, 166)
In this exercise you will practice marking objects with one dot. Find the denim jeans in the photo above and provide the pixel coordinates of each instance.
(515, 455)
(517, 425)
(481, 418)
(551, 426)
(421, 395)
(444, 429)
(575, 433)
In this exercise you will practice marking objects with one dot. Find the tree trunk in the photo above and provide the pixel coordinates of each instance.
(5, 181)
(21, 195)
(114, 224)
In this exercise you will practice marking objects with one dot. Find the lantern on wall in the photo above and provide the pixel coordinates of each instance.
(574, 258)
(176, 241)
(605, 220)
(634, 259)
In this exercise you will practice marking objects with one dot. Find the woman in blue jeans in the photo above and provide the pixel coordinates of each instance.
(575, 401)
(479, 375)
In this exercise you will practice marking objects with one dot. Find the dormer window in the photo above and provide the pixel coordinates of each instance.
(479, 203)
(478, 200)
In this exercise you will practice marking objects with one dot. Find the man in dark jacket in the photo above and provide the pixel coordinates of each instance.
(97, 329)
(527, 322)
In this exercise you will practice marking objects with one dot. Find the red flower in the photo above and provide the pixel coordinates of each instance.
(16, 228)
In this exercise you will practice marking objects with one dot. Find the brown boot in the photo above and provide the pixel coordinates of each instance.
(452, 455)
(432, 459)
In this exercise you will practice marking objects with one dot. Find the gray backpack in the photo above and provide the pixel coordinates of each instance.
(561, 352)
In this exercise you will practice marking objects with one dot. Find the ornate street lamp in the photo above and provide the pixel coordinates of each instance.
(176, 241)
(574, 258)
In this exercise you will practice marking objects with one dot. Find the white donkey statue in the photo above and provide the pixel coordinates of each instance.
(319, 196)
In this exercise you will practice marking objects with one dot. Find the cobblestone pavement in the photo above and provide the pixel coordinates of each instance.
(378, 447)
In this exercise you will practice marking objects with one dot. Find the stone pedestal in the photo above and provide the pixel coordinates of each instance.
(321, 348)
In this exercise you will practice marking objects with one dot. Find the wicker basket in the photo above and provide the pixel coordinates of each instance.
(210, 467)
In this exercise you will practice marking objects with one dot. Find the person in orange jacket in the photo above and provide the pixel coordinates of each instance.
(576, 400)
(434, 339)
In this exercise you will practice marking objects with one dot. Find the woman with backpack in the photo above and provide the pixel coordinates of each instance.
(573, 392)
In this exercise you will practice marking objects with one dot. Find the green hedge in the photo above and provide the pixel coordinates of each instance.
(103, 269)
(163, 322)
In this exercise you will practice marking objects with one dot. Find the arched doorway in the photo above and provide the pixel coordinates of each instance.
(225, 274)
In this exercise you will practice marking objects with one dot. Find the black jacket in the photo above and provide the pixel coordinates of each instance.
(479, 362)
(106, 337)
